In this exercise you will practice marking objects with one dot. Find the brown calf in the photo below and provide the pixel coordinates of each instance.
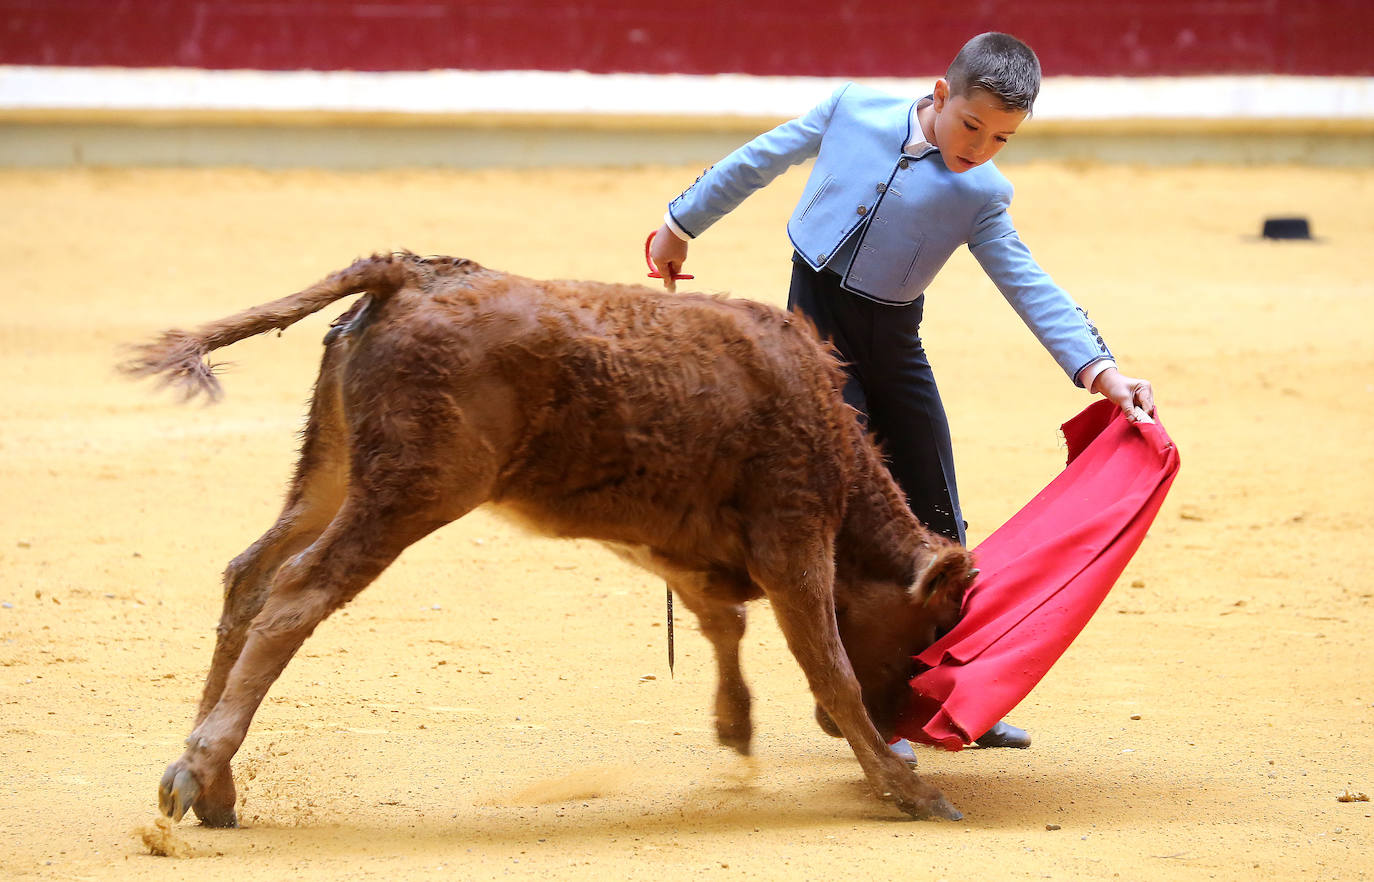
(703, 438)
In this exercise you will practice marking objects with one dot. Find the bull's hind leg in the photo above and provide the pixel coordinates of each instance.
(314, 497)
(722, 621)
(364, 538)
(796, 571)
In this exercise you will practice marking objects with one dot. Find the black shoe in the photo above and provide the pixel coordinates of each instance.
(1003, 734)
(902, 748)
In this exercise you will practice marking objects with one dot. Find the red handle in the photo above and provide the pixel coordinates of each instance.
(653, 270)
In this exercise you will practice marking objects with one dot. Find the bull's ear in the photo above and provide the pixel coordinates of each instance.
(941, 583)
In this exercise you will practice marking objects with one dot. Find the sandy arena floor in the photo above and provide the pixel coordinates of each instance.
(499, 705)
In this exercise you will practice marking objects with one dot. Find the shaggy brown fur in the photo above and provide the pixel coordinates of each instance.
(704, 438)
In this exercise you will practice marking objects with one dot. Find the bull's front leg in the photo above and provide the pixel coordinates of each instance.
(800, 589)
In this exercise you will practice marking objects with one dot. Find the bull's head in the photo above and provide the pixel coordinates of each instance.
(883, 625)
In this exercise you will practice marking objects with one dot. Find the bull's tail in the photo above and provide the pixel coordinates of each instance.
(178, 358)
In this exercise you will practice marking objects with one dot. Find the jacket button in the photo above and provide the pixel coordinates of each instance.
(882, 188)
(862, 210)
(905, 163)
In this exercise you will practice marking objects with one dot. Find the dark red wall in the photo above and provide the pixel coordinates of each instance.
(838, 38)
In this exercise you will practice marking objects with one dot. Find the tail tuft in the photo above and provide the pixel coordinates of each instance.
(177, 359)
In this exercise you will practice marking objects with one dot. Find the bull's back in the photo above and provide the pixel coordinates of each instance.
(633, 415)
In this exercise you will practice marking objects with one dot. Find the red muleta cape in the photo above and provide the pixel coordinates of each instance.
(1043, 574)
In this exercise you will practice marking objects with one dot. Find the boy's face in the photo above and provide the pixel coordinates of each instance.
(970, 130)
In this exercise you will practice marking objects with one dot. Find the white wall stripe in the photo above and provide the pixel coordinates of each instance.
(454, 92)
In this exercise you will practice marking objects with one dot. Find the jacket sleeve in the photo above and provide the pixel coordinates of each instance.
(723, 186)
(1060, 324)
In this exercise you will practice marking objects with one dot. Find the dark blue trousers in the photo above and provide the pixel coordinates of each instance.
(891, 384)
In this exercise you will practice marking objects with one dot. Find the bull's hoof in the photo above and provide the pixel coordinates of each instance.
(180, 790)
(737, 739)
(216, 817)
(741, 746)
(176, 791)
(943, 808)
(919, 798)
(930, 808)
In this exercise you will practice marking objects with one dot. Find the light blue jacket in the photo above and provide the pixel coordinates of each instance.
(886, 221)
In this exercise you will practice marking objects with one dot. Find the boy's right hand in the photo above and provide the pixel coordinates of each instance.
(1134, 397)
(668, 253)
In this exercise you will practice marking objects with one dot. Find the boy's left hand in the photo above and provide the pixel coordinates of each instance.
(1125, 392)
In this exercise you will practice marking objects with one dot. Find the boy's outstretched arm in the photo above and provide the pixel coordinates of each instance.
(727, 183)
(668, 252)
(1127, 393)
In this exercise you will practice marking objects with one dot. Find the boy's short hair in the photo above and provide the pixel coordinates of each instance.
(1000, 65)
